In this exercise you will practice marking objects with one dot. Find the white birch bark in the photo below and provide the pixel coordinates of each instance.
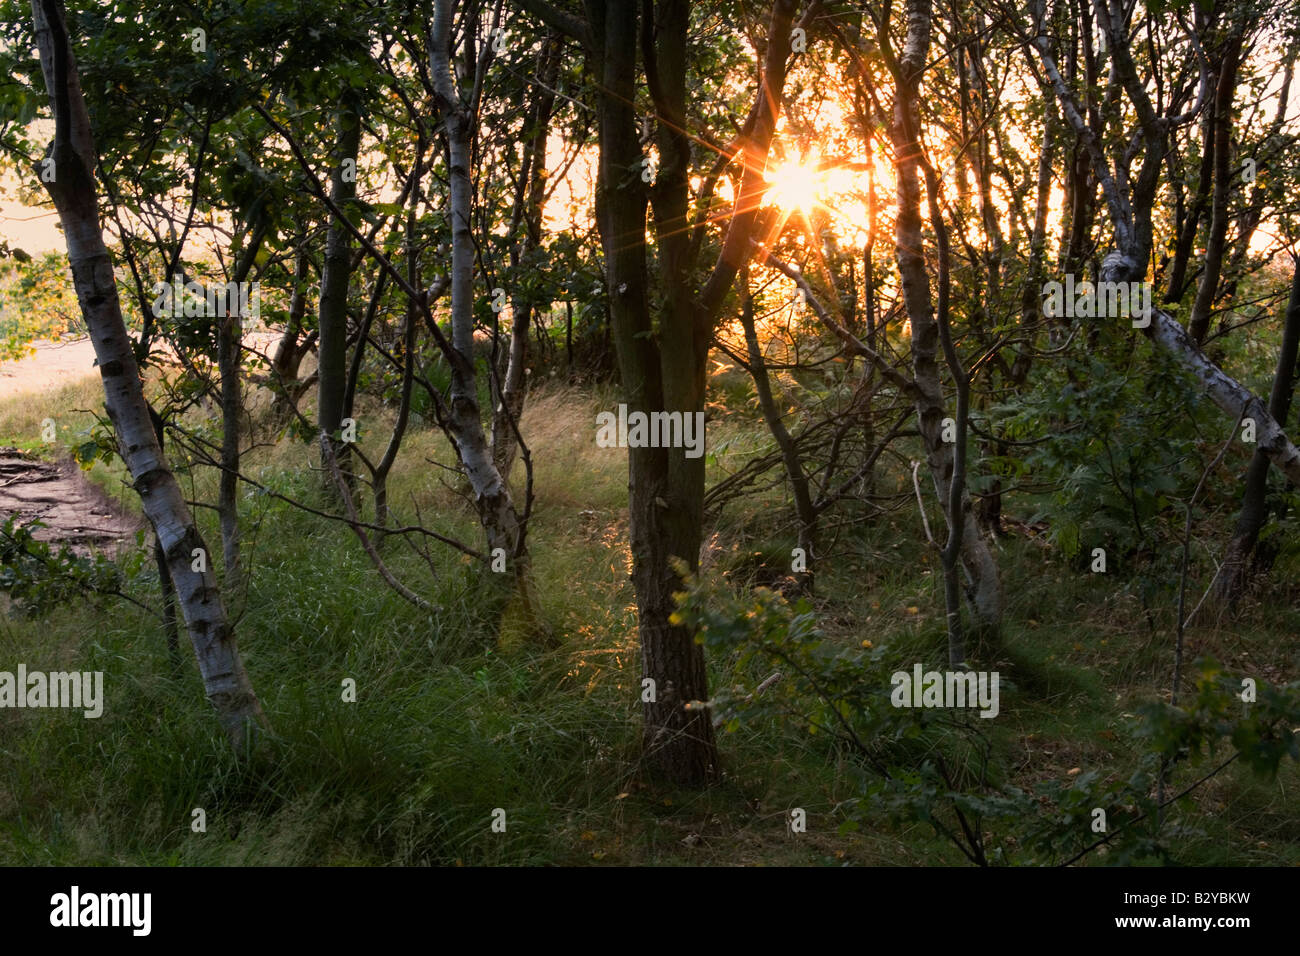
(73, 191)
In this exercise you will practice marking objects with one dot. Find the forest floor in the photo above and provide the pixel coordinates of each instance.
(456, 715)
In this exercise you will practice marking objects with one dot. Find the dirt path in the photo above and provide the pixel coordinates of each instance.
(74, 510)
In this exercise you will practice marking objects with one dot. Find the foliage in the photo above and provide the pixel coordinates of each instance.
(938, 767)
(39, 577)
(1119, 431)
(37, 301)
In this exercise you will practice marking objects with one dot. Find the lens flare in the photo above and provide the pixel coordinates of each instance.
(796, 185)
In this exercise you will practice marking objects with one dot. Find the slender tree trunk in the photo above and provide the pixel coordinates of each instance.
(232, 409)
(982, 160)
(869, 323)
(230, 337)
(568, 341)
(1130, 203)
(529, 206)
(986, 595)
(335, 278)
(501, 523)
(288, 353)
(1031, 307)
(665, 489)
(989, 507)
(360, 339)
(803, 504)
(1249, 219)
(663, 368)
(1199, 324)
(409, 341)
(73, 191)
(385, 465)
(164, 572)
(1190, 225)
(1233, 574)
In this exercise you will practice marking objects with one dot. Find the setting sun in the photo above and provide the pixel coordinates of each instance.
(795, 185)
(753, 384)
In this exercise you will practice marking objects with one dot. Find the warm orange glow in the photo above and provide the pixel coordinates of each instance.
(796, 186)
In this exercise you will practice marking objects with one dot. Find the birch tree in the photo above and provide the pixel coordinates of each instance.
(946, 459)
(1130, 198)
(463, 417)
(69, 165)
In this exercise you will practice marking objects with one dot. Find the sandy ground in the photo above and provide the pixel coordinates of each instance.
(54, 364)
(57, 363)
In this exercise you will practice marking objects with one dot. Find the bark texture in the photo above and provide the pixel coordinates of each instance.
(463, 419)
(985, 592)
(73, 191)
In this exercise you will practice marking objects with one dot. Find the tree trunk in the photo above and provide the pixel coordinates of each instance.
(989, 506)
(386, 463)
(164, 572)
(232, 409)
(1225, 391)
(1249, 219)
(73, 191)
(1190, 224)
(985, 594)
(409, 341)
(464, 420)
(803, 504)
(359, 339)
(1233, 574)
(663, 368)
(1199, 324)
(529, 206)
(335, 278)
(288, 352)
(1130, 208)
(230, 339)
(665, 489)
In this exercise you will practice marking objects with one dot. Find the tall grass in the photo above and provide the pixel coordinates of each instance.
(451, 724)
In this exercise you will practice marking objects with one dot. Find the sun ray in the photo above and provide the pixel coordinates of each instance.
(796, 185)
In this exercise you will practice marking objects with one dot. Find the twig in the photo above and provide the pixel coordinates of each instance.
(920, 503)
(1178, 796)
(52, 566)
(407, 529)
(354, 522)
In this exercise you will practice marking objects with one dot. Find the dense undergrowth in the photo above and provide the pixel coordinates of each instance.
(456, 716)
